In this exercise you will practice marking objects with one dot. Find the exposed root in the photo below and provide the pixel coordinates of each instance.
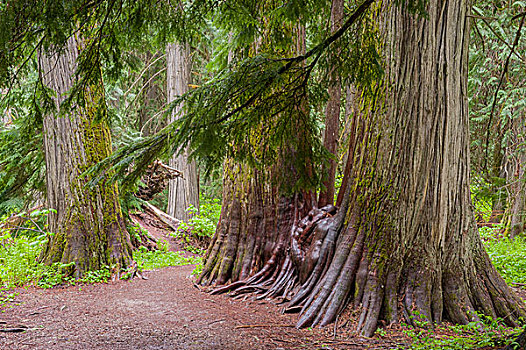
(316, 265)
(329, 266)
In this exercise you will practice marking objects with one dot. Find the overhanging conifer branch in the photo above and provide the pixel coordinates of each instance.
(319, 49)
(259, 90)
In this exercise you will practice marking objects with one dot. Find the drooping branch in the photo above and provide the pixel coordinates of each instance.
(501, 80)
(252, 92)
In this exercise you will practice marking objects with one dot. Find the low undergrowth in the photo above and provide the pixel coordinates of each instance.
(156, 259)
(476, 335)
(199, 230)
(18, 260)
(22, 239)
(19, 266)
(508, 256)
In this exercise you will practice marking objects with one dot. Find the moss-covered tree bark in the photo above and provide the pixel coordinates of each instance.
(257, 215)
(404, 244)
(253, 233)
(88, 226)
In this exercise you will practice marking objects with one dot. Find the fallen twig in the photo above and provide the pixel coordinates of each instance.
(36, 312)
(17, 329)
(216, 321)
(282, 340)
(336, 326)
(263, 325)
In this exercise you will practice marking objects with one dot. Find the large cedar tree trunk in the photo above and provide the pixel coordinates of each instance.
(88, 225)
(256, 219)
(253, 232)
(183, 191)
(404, 244)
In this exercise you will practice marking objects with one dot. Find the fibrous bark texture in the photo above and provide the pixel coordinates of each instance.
(88, 225)
(253, 233)
(254, 228)
(404, 244)
(183, 191)
(516, 162)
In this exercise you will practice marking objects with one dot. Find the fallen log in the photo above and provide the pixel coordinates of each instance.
(169, 220)
(156, 179)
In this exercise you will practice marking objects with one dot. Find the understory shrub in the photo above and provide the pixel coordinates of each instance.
(22, 242)
(156, 259)
(475, 335)
(197, 232)
(509, 258)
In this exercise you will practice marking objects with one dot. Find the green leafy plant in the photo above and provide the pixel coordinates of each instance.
(18, 260)
(198, 269)
(6, 297)
(21, 238)
(509, 258)
(488, 332)
(156, 259)
(201, 227)
(135, 231)
(203, 223)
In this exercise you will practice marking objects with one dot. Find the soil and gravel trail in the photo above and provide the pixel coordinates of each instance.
(164, 312)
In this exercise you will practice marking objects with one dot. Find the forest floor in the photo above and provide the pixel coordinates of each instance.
(164, 311)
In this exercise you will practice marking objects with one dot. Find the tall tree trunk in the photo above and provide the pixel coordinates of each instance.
(332, 116)
(152, 95)
(253, 232)
(88, 225)
(404, 243)
(182, 191)
(516, 157)
(247, 233)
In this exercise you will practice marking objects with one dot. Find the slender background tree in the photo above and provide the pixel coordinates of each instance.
(183, 191)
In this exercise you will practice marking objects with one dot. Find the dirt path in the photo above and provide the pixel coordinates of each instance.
(164, 312)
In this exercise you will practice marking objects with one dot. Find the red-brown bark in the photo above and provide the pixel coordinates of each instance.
(404, 244)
